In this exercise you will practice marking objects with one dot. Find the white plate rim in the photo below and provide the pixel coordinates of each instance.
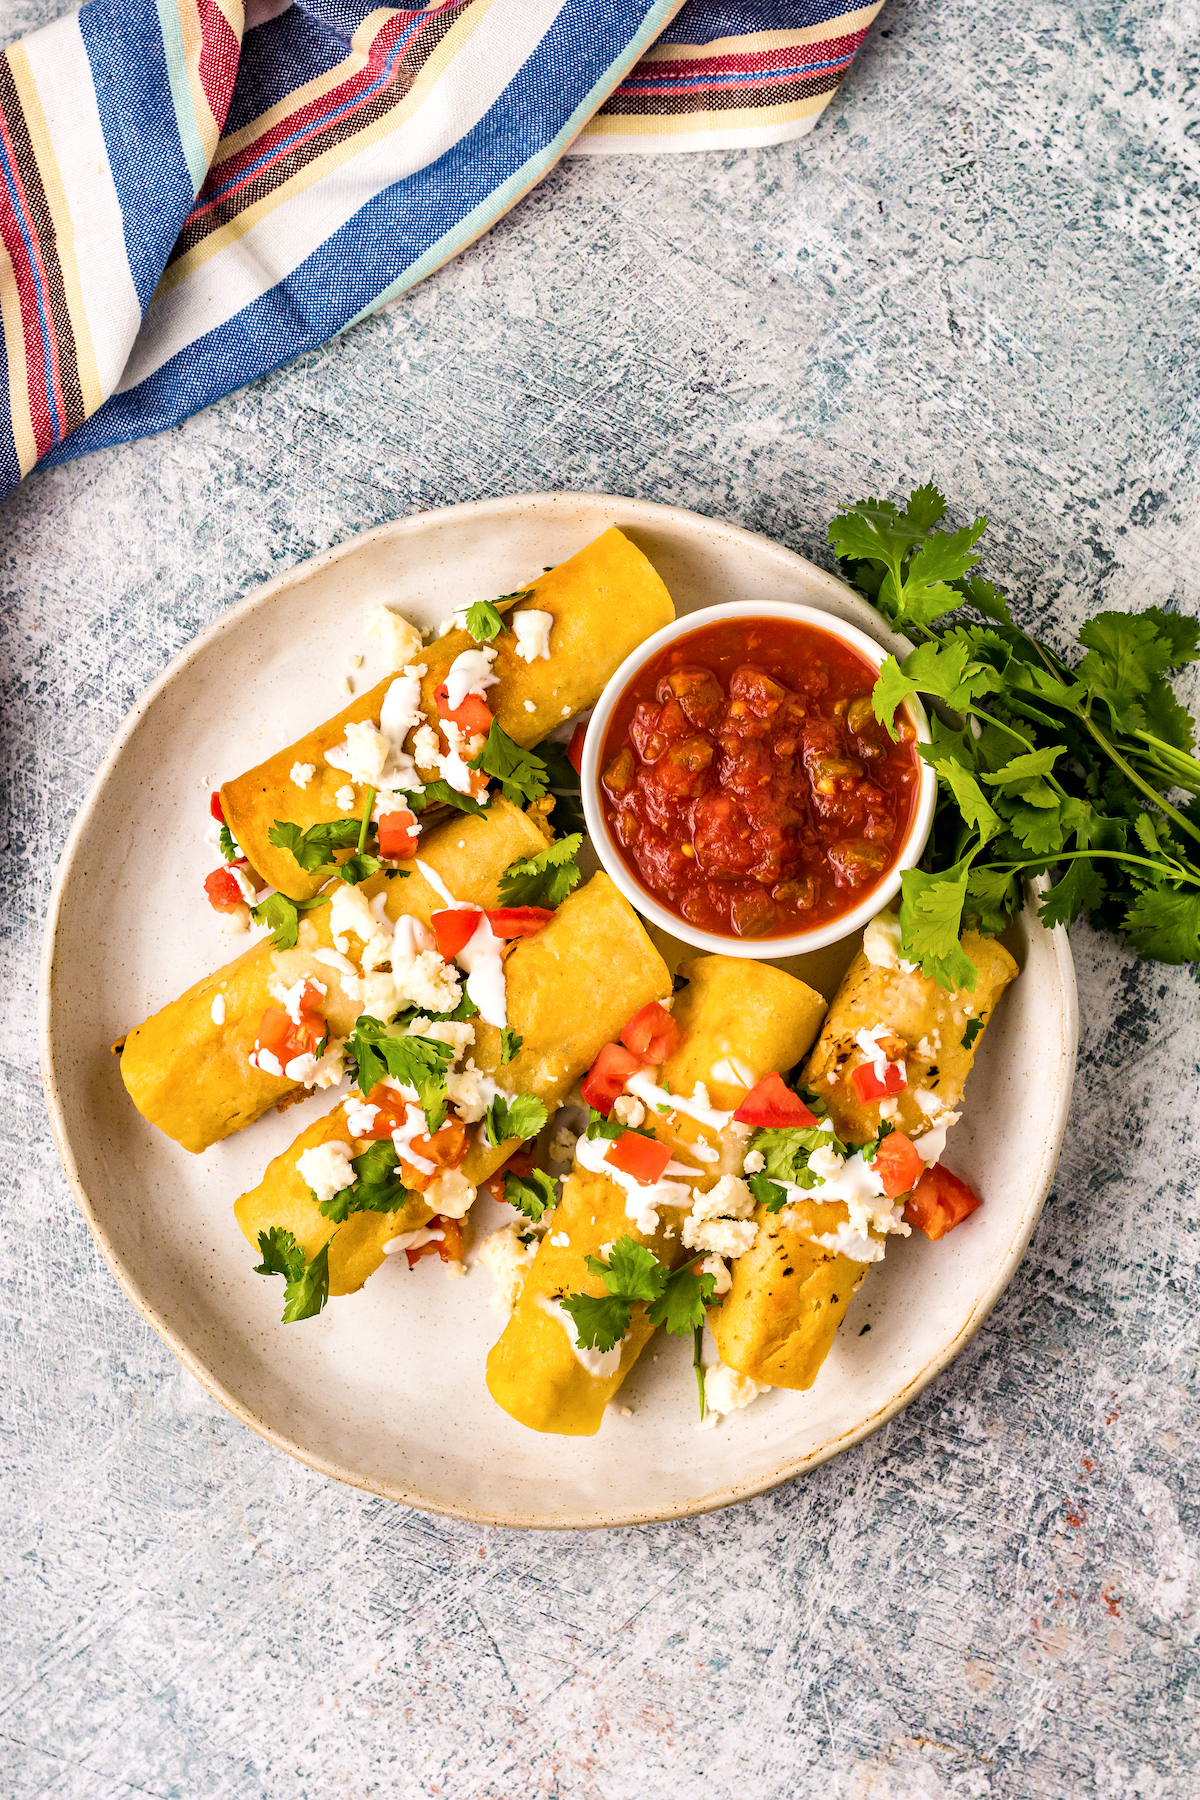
(649, 512)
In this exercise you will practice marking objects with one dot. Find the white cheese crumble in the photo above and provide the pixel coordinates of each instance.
(507, 1255)
(852, 1181)
(753, 1163)
(217, 1011)
(401, 641)
(344, 798)
(533, 634)
(868, 1043)
(360, 1117)
(721, 1237)
(560, 1240)
(628, 1110)
(364, 754)
(530, 705)
(562, 1146)
(470, 1092)
(450, 1194)
(302, 773)
(726, 1391)
(332, 1067)
(326, 1168)
(603, 1364)
(881, 943)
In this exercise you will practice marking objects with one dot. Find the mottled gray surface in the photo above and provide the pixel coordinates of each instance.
(981, 268)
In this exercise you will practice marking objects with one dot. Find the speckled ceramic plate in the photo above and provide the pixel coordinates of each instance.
(386, 1389)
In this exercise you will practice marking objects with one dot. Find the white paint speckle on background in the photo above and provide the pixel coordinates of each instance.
(979, 269)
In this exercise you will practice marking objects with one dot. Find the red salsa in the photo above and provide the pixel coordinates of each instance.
(748, 783)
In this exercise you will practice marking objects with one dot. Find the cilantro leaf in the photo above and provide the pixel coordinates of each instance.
(1165, 924)
(768, 1193)
(533, 1194)
(680, 1308)
(307, 1283)
(631, 1270)
(930, 923)
(993, 897)
(358, 867)
(440, 793)
(1127, 651)
(942, 559)
(1024, 771)
(416, 1062)
(545, 879)
(522, 776)
(483, 621)
(944, 669)
(563, 778)
(377, 1185)
(600, 1320)
(1165, 718)
(229, 849)
(965, 791)
(600, 1127)
(314, 849)
(283, 916)
(514, 1116)
(1081, 890)
(984, 597)
(786, 1149)
(510, 1044)
(974, 1027)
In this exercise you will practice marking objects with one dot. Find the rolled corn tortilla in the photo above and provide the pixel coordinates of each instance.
(569, 990)
(192, 1077)
(604, 602)
(789, 1294)
(742, 1020)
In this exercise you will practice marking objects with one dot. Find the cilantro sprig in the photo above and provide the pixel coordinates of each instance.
(521, 774)
(377, 1186)
(1084, 769)
(440, 793)
(600, 1127)
(674, 1298)
(545, 879)
(533, 1194)
(417, 1062)
(283, 916)
(514, 1116)
(306, 1283)
(483, 621)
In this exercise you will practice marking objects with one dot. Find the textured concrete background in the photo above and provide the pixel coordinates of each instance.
(982, 268)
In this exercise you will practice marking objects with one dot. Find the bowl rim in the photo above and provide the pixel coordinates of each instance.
(795, 943)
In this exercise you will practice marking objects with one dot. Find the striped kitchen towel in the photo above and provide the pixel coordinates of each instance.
(192, 197)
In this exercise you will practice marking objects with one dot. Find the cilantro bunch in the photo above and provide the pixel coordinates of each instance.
(1082, 769)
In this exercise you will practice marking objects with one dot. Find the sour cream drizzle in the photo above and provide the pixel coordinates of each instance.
(600, 1363)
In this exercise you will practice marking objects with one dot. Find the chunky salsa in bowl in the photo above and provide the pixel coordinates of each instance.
(739, 786)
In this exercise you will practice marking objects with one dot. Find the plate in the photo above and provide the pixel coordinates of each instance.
(385, 1390)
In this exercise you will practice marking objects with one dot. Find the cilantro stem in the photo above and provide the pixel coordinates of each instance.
(698, 1365)
(366, 820)
(1131, 774)
(1183, 769)
(1175, 871)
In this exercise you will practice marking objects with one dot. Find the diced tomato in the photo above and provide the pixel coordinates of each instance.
(575, 748)
(518, 921)
(772, 1104)
(898, 1164)
(285, 1039)
(454, 930)
(607, 1077)
(939, 1202)
(473, 717)
(519, 1163)
(223, 892)
(450, 1247)
(398, 835)
(214, 806)
(652, 1034)
(643, 1158)
(868, 1086)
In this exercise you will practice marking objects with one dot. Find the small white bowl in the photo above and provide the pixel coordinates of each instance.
(797, 942)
